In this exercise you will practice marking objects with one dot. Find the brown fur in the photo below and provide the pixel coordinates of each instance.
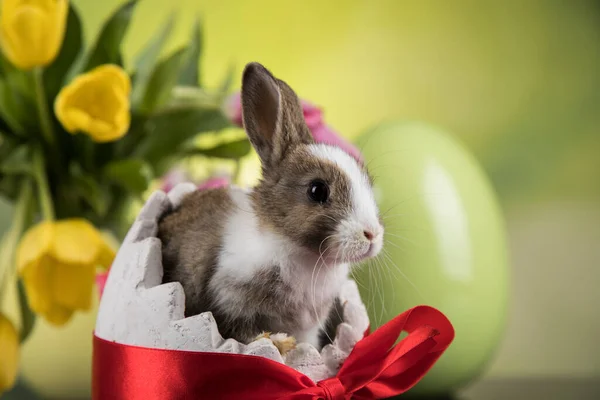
(281, 199)
(336, 317)
(191, 239)
(272, 116)
(265, 300)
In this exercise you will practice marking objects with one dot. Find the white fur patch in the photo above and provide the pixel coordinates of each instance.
(364, 214)
(247, 249)
(363, 202)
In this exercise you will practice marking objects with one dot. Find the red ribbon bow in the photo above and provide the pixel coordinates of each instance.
(374, 369)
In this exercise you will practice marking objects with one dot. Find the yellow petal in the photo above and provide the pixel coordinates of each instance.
(75, 241)
(117, 115)
(10, 50)
(76, 120)
(114, 76)
(103, 101)
(101, 131)
(72, 285)
(36, 243)
(56, 27)
(96, 103)
(58, 315)
(61, 108)
(106, 256)
(36, 278)
(9, 343)
(32, 31)
(9, 6)
(123, 120)
(108, 251)
(121, 116)
(26, 30)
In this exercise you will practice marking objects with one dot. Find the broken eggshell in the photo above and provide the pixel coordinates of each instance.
(138, 309)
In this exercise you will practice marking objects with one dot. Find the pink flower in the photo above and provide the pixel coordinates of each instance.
(313, 115)
(214, 183)
(101, 281)
(233, 109)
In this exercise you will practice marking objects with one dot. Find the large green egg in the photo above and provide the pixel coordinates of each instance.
(445, 245)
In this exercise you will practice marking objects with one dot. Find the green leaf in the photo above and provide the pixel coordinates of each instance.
(107, 49)
(233, 150)
(190, 75)
(18, 162)
(193, 96)
(5, 65)
(132, 174)
(144, 66)
(167, 132)
(72, 45)
(162, 82)
(89, 190)
(28, 317)
(9, 185)
(17, 79)
(7, 141)
(5, 131)
(77, 67)
(228, 80)
(15, 110)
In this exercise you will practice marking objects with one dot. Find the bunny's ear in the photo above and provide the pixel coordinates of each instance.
(272, 115)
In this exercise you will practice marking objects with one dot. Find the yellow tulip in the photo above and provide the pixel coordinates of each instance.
(96, 103)
(32, 31)
(9, 343)
(57, 261)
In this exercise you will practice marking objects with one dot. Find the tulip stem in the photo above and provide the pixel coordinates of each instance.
(11, 238)
(43, 188)
(42, 106)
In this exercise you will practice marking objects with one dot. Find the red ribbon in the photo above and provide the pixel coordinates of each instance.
(375, 369)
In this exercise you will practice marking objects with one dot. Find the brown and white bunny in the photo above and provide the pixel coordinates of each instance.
(273, 259)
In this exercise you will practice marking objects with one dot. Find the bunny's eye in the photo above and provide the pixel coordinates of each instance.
(318, 191)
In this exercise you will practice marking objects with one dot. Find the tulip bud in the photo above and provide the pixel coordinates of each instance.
(32, 31)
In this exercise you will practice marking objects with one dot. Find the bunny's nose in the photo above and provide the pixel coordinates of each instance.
(372, 234)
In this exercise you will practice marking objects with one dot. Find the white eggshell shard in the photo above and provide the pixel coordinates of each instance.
(137, 309)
